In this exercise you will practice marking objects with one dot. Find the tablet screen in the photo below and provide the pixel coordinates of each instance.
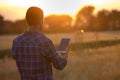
(64, 44)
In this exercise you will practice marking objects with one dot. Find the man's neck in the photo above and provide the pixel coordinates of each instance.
(34, 29)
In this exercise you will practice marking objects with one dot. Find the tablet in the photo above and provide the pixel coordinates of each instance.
(64, 44)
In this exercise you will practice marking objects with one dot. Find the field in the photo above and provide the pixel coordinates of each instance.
(99, 59)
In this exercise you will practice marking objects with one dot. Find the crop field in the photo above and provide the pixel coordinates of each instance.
(92, 56)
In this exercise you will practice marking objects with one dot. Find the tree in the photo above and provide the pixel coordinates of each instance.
(19, 26)
(1, 24)
(57, 23)
(102, 20)
(114, 20)
(8, 27)
(85, 18)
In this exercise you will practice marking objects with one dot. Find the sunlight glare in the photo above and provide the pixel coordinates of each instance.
(69, 7)
(95, 1)
(82, 31)
(22, 3)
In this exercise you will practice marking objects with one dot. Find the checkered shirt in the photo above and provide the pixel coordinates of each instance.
(35, 54)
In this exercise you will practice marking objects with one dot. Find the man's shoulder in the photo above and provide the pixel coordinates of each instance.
(17, 38)
(44, 38)
(39, 38)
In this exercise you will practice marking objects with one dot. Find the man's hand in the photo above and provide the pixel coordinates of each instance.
(64, 55)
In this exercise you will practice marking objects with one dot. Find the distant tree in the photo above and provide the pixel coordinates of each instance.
(1, 24)
(102, 20)
(114, 20)
(19, 26)
(108, 20)
(85, 18)
(1, 20)
(57, 23)
(8, 27)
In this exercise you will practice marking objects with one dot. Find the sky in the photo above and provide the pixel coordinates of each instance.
(16, 9)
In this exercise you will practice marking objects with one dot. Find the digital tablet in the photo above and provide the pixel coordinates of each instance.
(64, 44)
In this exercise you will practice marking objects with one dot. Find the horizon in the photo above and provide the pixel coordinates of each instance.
(17, 9)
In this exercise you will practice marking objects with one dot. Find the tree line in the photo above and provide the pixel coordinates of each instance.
(84, 19)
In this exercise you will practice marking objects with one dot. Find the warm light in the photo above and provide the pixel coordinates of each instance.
(20, 3)
(82, 31)
(54, 6)
(95, 1)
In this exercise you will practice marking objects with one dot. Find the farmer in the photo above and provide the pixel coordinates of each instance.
(33, 52)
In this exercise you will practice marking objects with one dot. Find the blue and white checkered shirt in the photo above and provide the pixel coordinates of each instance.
(35, 54)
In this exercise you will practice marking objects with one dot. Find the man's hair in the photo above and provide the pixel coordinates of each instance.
(34, 16)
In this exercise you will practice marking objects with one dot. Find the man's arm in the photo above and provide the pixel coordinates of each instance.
(59, 62)
(13, 50)
(64, 55)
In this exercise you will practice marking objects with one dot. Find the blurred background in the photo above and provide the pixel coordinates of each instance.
(94, 28)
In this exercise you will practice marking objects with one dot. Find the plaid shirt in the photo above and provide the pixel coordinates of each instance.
(35, 54)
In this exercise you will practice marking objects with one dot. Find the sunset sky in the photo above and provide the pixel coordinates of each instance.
(16, 9)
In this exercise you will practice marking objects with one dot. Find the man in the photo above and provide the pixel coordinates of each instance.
(34, 52)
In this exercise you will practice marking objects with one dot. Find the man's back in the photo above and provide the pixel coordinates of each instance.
(34, 54)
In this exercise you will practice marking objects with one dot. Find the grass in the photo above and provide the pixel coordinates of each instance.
(94, 44)
(5, 53)
(75, 46)
(88, 60)
(8, 69)
(103, 65)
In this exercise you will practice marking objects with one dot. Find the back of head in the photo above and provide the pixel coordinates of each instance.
(34, 16)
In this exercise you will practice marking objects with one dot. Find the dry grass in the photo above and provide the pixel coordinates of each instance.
(6, 40)
(8, 69)
(101, 64)
(89, 64)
